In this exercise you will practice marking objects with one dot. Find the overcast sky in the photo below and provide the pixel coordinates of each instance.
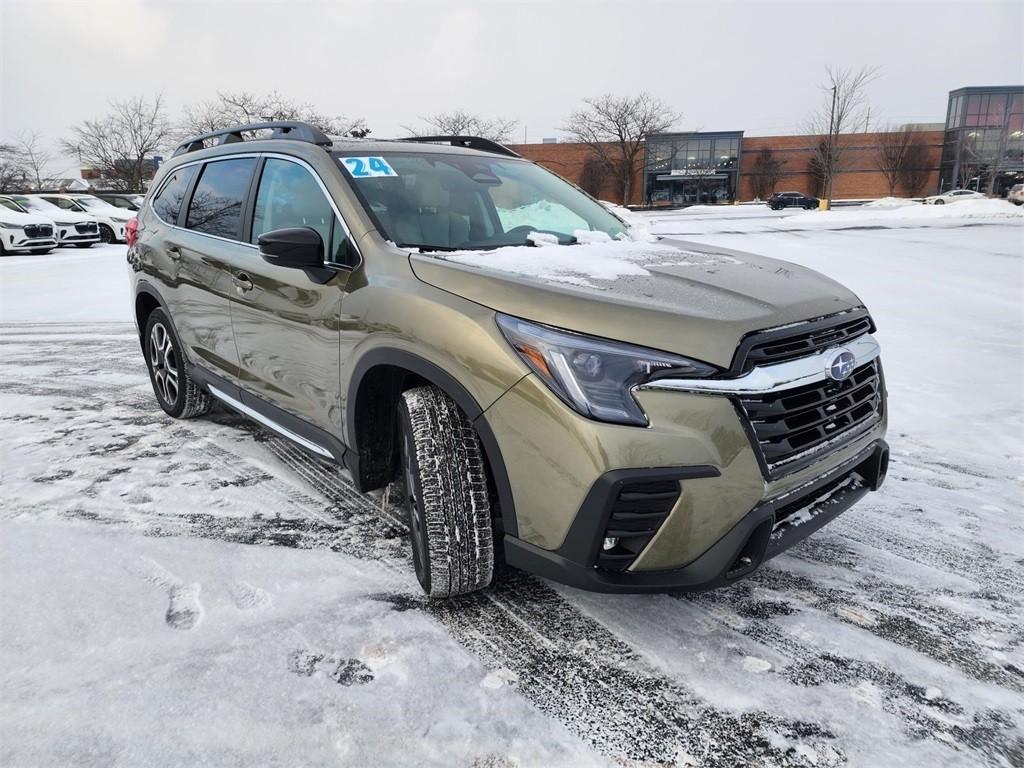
(755, 67)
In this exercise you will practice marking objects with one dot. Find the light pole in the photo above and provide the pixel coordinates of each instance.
(829, 158)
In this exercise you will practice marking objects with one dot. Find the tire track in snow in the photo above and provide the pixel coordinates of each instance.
(568, 664)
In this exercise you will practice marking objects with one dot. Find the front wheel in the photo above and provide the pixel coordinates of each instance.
(106, 234)
(444, 485)
(83, 245)
(175, 390)
(939, 202)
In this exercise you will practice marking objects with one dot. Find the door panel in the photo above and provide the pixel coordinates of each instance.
(193, 272)
(200, 272)
(287, 327)
(287, 336)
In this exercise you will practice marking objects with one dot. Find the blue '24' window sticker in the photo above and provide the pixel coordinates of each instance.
(367, 167)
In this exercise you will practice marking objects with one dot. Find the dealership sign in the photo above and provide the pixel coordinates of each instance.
(693, 171)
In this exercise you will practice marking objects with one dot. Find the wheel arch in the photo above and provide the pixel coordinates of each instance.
(378, 380)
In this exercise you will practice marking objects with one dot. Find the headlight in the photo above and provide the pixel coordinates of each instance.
(7, 225)
(593, 376)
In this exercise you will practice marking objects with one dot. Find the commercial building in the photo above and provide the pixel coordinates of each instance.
(982, 147)
(984, 140)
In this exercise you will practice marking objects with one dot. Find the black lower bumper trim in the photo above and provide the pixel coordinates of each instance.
(754, 539)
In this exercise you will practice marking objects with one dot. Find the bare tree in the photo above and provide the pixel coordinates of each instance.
(593, 175)
(35, 159)
(915, 171)
(890, 155)
(459, 122)
(766, 173)
(240, 107)
(122, 143)
(13, 176)
(972, 164)
(615, 128)
(844, 110)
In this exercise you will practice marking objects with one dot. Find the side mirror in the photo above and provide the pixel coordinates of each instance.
(296, 248)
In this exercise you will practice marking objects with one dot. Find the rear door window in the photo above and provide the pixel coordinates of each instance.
(167, 203)
(219, 199)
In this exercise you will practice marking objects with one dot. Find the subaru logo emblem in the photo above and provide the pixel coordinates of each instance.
(840, 364)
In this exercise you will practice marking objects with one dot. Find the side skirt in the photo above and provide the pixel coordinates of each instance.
(299, 431)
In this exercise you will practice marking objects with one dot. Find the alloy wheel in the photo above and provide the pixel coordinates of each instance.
(163, 361)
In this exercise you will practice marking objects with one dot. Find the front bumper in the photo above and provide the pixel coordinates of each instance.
(69, 235)
(767, 530)
(17, 240)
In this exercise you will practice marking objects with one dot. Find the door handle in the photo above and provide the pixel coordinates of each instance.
(174, 253)
(242, 282)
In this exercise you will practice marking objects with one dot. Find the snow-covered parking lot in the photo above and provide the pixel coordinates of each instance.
(201, 593)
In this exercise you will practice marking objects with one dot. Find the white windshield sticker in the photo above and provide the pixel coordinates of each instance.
(366, 167)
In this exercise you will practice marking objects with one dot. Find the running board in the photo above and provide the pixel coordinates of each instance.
(270, 423)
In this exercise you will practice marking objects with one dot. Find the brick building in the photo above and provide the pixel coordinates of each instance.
(729, 176)
(981, 147)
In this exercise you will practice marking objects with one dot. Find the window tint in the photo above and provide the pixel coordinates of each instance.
(216, 206)
(168, 202)
(289, 196)
(62, 202)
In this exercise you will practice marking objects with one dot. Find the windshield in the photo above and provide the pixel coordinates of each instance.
(37, 205)
(65, 203)
(11, 205)
(93, 203)
(453, 201)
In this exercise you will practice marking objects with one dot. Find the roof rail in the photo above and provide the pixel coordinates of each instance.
(283, 129)
(469, 142)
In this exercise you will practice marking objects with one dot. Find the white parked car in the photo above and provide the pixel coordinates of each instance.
(954, 196)
(24, 231)
(111, 218)
(73, 228)
(1016, 194)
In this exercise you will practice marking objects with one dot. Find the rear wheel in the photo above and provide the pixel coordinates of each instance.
(443, 484)
(175, 390)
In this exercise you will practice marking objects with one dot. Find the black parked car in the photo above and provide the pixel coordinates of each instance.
(780, 200)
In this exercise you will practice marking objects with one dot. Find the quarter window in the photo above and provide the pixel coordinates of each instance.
(289, 196)
(217, 203)
(167, 204)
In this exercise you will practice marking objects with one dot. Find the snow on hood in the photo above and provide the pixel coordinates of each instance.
(596, 257)
(17, 217)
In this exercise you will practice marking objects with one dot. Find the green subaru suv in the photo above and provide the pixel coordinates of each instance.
(535, 381)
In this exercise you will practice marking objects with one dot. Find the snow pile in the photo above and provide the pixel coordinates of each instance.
(577, 264)
(891, 202)
(967, 209)
(639, 226)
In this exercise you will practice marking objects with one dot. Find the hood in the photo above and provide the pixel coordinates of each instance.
(676, 296)
(73, 217)
(21, 219)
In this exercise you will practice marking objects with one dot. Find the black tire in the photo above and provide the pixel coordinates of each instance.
(106, 235)
(441, 473)
(175, 390)
(40, 251)
(83, 245)
(940, 202)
